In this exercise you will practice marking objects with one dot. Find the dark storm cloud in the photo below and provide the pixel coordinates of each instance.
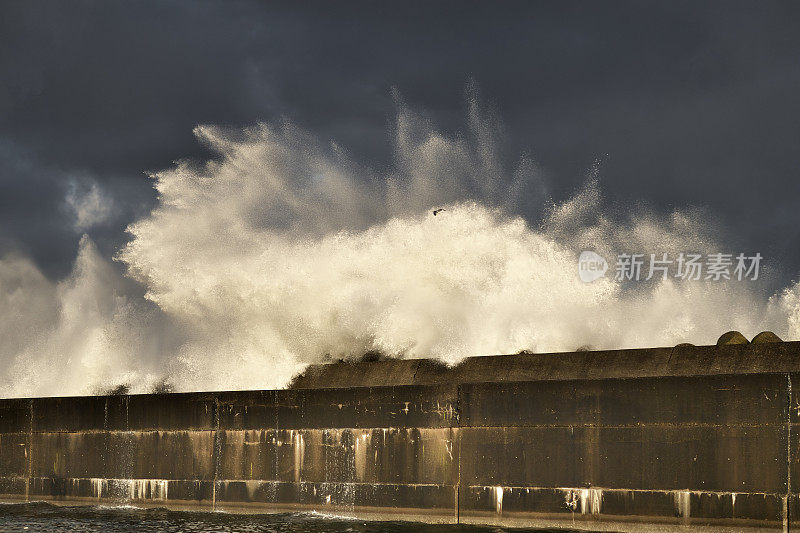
(684, 102)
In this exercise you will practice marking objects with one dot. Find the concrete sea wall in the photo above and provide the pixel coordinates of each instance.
(624, 440)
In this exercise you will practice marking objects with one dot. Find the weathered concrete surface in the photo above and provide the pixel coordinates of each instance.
(681, 360)
(622, 440)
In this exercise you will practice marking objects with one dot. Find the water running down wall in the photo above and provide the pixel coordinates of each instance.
(631, 439)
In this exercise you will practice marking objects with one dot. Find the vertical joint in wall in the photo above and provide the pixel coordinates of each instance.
(29, 453)
(788, 497)
(215, 454)
(457, 445)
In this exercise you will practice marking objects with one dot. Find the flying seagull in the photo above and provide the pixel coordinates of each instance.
(437, 211)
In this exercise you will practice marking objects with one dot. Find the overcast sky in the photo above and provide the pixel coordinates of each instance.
(685, 103)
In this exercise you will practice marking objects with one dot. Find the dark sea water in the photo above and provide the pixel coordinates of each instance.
(40, 516)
